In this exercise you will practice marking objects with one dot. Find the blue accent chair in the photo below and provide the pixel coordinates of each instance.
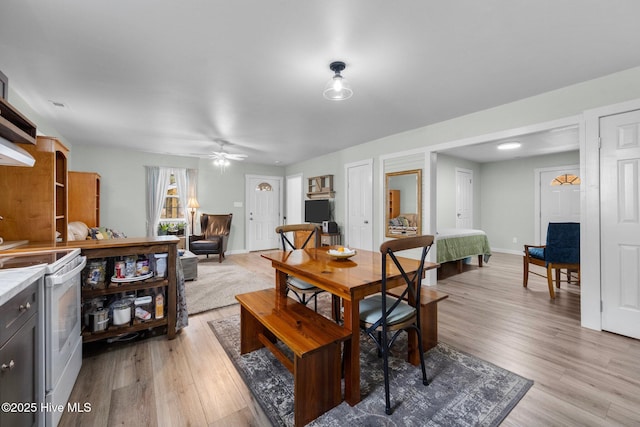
(562, 251)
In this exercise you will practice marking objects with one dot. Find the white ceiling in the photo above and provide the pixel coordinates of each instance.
(172, 76)
(557, 140)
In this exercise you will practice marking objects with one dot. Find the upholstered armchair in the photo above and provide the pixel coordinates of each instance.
(562, 251)
(215, 231)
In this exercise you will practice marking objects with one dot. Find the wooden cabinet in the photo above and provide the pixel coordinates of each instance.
(84, 198)
(34, 199)
(393, 203)
(19, 357)
(326, 239)
(329, 239)
(320, 187)
(116, 249)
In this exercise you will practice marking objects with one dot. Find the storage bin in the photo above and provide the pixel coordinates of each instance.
(143, 308)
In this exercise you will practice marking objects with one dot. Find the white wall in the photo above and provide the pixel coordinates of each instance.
(507, 205)
(123, 187)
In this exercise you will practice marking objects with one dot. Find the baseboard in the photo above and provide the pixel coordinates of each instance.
(507, 251)
(237, 251)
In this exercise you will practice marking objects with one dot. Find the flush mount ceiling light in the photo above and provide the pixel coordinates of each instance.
(337, 89)
(511, 145)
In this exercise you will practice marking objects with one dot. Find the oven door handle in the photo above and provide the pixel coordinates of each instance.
(56, 279)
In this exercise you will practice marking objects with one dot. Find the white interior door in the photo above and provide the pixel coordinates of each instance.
(359, 205)
(263, 211)
(558, 203)
(464, 198)
(294, 202)
(620, 223)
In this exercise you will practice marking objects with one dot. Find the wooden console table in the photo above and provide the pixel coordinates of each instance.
(113, 248)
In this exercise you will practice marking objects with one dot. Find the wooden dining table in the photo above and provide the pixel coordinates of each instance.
(351, 280)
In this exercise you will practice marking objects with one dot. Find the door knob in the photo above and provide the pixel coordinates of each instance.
(8, 367)
(366, 222)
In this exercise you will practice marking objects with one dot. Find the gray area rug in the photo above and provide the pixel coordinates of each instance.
(463, 390)
(218, 283)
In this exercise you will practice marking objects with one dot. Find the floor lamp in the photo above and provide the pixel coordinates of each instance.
(192, 204)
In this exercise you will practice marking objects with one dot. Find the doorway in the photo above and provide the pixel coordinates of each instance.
(464, 198)
(264, 207)
(557, 198)
(294, 200)
(358, 230)
(561, 135)
(620, 222)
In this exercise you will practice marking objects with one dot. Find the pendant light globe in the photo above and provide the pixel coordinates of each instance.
(338, 88)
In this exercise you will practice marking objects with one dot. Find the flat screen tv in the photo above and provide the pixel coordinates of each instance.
(316, 211)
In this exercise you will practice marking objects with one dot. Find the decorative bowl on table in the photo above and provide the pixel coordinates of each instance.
(342, 253)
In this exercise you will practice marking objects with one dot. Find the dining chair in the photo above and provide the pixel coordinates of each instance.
(562, 251)
(305, 292)
(386, 313)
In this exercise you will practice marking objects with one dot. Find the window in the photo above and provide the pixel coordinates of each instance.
(167, 194)
(172, 209)
(264, 186)
(565, 179)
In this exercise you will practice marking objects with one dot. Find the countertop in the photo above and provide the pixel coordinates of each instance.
(90, 244)
(14, 280)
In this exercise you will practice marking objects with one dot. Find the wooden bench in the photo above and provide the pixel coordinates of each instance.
(428, 314)
(314, 340)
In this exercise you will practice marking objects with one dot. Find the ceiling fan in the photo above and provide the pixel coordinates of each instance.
(222, 158)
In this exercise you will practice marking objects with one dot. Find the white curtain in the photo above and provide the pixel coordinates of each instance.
(157, 186)
(183, 193)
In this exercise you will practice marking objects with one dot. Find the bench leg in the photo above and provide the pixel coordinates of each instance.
(250, 329)
(429, 325)
(316, 383)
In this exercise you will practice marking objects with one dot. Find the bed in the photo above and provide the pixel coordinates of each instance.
(458, 244)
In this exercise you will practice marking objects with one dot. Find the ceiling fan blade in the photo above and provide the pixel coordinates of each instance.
(236, 156)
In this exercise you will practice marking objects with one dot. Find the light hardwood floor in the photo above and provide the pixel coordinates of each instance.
(582, 377)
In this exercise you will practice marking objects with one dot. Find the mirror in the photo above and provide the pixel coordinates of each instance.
(403, 203)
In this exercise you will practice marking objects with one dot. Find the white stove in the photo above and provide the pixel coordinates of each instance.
(60, 325)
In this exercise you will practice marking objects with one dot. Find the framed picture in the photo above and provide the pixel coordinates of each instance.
(4, 86)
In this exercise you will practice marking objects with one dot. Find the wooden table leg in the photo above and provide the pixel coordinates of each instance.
(281, 289)
(281, 282)
(352, 353)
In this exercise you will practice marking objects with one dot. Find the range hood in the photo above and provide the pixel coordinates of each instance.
(12, 155)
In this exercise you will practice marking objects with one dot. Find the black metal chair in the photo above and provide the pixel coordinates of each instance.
(305, 292)
(386, 313)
